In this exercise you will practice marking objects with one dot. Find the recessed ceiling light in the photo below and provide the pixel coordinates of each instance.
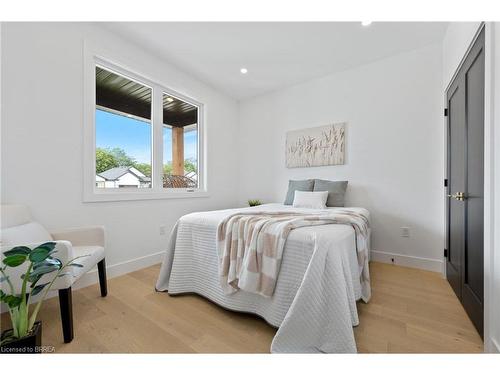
(244, 70)
(170, 100)
(366, 23)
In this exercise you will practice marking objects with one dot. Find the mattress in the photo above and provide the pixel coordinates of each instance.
(191, 263)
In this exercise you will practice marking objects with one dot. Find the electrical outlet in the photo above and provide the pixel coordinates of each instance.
(162, 230)
(405, 232)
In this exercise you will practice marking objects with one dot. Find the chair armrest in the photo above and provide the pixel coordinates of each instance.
(64, 252)
(90, 236)
(64, 249)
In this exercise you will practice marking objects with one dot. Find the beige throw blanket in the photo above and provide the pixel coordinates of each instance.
(250, 246)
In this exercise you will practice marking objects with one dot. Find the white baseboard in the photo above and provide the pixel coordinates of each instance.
(407, 261)
(119, 269)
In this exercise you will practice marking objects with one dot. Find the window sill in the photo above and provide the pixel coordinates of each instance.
(112, 196)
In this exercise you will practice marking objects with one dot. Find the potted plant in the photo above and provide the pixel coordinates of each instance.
(254, 202)
(25, 336)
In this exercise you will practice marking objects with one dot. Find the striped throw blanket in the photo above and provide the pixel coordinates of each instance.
(250, 246)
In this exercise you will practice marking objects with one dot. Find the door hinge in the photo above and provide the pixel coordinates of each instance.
(445, 112)
(446, 253)
(445, 182)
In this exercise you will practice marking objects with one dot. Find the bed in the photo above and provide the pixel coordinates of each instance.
(314, 301)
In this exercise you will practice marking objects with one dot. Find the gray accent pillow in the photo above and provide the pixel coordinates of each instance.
(300, 185)
(336, 191)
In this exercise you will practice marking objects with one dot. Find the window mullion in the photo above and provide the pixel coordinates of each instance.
(157, 118)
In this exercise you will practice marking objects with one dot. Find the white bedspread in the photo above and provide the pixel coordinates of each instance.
(314, 303)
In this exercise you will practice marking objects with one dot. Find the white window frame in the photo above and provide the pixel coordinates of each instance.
(92, 58)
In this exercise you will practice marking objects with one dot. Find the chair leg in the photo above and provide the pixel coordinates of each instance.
(103, 283)
(66, 305)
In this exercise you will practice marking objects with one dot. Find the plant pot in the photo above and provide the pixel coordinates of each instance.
(30, 344)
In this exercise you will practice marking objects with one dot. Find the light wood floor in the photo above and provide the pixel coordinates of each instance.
(410, 311)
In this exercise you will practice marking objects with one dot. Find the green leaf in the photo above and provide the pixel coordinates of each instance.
(40, 271)
(41, 268)
(39, 254)
(48, 262)
(34, 280)
(47, 245)
(18, 250)
(12, 301)
(37, 289)
(14, 260)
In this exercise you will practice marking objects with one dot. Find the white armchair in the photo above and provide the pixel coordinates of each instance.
(18, 228)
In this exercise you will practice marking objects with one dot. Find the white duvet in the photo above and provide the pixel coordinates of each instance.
(314, 302)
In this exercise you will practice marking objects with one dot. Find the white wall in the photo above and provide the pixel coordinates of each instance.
(394, 148)
(42, 106)
(455, 44)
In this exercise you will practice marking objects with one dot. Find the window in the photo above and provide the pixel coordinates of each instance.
(142, 139)
(122, 132)
(180, 143)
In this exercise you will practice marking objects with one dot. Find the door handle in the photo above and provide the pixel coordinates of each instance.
(459, 196)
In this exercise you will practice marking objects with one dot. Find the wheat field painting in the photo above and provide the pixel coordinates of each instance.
(312, 147)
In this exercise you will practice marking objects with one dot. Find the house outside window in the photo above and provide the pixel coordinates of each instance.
(121, 177)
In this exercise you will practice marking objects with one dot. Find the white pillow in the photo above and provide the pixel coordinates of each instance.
(25, 234)
(310, 199)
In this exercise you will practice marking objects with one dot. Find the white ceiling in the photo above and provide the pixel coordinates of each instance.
(276, 54)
